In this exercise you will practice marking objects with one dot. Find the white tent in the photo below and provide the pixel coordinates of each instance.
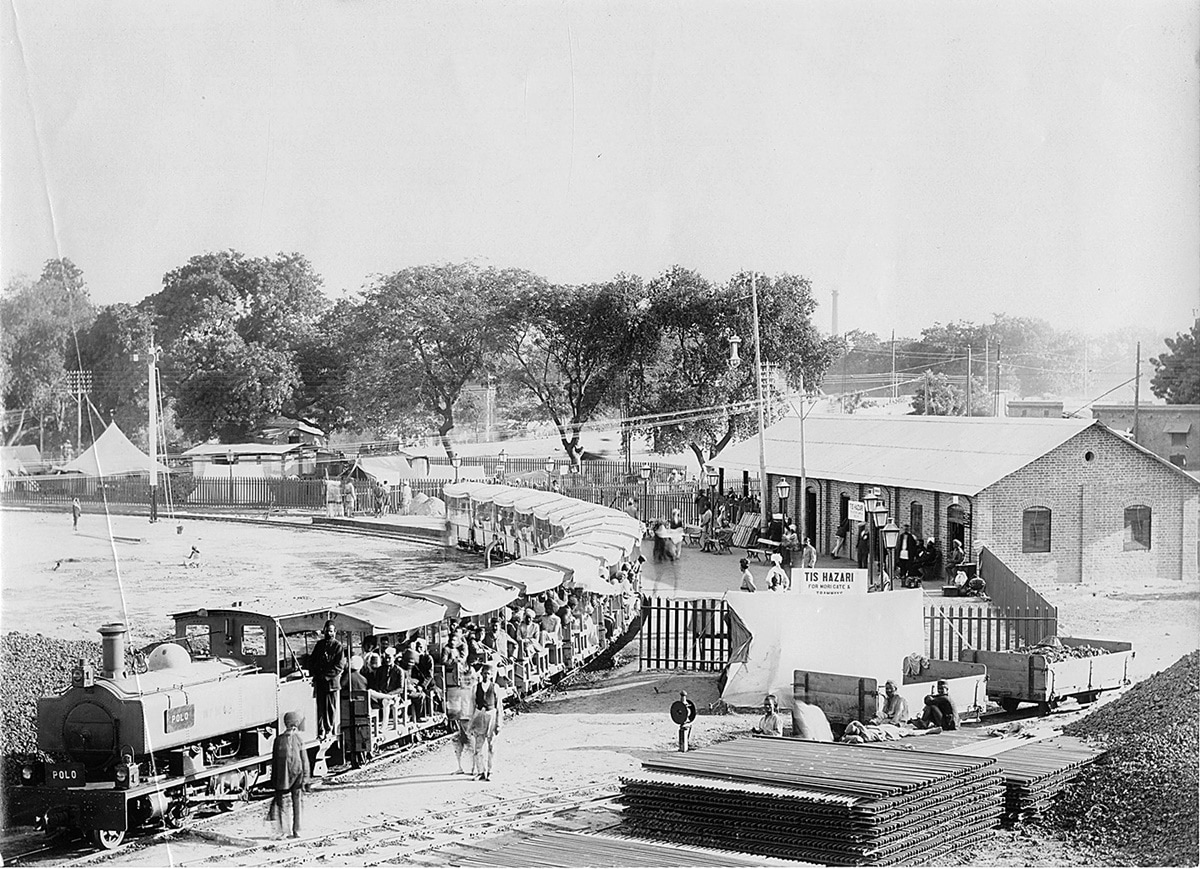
(776, 633)
(112, 455)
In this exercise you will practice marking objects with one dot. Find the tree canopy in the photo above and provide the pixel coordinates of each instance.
(1177, 372)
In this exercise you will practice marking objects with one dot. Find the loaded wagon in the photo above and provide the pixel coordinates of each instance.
(1053, 671)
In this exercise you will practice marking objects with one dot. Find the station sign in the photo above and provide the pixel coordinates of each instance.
(828, 581)
(856, 511)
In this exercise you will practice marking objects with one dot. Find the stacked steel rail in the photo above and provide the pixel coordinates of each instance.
(1034, 773)
(825, 803)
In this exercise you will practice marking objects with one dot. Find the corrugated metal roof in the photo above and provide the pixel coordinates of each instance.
(959, 455)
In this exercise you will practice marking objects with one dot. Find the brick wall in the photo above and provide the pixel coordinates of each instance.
(1087, 499)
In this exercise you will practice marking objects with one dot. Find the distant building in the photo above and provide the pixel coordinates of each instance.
(1057, 500)
(1168, 430)
(291, 431)
(1042, 409)
(252, 460)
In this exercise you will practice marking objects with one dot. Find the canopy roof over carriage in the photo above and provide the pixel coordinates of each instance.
(529, 578)
(387, 613)
(576, 563)
(467, 596)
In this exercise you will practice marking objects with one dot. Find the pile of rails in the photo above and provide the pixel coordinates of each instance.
(1034, 774)
(842, 805)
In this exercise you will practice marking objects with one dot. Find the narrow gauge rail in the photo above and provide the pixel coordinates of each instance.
(192, 721)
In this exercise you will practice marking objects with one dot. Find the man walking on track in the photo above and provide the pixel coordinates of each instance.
(76, 511)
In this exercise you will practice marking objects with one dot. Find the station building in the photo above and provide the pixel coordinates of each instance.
(1057, 500)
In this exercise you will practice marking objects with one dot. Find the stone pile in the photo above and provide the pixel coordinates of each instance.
(1139, 805)
(32, 666)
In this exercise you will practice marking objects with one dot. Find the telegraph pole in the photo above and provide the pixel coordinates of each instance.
(763, 494)
(968, 380)
(153, 395)
(1137, 391)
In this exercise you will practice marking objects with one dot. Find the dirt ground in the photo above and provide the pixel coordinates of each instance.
(579, 740)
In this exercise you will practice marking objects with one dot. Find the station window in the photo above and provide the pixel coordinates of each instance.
(254, 640)
(916, 519)
(1179, 460)
(1179, 438)
(1137, 527)
(1035, 530)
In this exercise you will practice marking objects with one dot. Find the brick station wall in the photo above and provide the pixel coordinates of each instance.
(1087, 500)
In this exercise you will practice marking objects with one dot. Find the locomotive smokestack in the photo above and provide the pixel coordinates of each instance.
(113, 650)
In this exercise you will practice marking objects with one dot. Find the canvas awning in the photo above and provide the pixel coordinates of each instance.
(529, 578)
(523, 500)
(386, 613)
(623, 540)
(468, 597)
(608, 554)
(463, 488)
(577, 563)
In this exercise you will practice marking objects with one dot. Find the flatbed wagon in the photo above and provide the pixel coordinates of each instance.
(1038, 677)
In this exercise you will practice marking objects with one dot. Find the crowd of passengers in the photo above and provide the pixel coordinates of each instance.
(537, 635)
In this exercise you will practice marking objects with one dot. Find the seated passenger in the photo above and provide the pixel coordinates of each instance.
(939, 709)
(895, 707)
(389, 678)
(771, 723)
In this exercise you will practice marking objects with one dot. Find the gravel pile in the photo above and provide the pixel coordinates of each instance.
(1138, 806)
(31, 666)
(1054, 650)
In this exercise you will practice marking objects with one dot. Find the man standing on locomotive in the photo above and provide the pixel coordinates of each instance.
(326, 663)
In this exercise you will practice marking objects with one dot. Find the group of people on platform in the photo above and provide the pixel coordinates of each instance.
(891, 722)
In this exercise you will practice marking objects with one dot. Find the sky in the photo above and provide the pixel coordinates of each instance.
(927, 161)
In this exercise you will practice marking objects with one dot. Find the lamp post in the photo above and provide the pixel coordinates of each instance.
(712, 478)
(456, 462)
(644, 473)
(891, 537)
(783, 489)
(870, 502)
(878, 519)
(230, 459)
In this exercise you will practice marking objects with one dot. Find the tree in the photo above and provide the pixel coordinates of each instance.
(232, 328)
(946, 399)
(424, 333)
(571, 347)
(691, 369)
(1177, 373)
(39, 325)
(118, 382)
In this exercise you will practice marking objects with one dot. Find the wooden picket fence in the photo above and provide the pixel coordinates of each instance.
(950, 629)
(684, 634)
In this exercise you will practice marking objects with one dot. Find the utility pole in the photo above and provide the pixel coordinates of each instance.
(998, 387)
(763, 494)
(987, 366)
(968, 380)
(894, 396)
(1137, 391)
(927, 393)
(835, 322)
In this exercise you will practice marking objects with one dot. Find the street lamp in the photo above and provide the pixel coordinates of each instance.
(456, 462)
(783, 489)
(878, 517)
(549, 465)
(891, 537)
(870, 502)
(644, 473)
(230, 459)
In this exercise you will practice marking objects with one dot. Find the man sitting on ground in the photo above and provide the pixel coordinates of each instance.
(939, 709)
(771, 724)
(895, 707)
(857, 733)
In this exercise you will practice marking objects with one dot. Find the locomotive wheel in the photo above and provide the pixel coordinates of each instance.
(1009, 704)
(178, 813)
(107, 840)
(224, 806)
